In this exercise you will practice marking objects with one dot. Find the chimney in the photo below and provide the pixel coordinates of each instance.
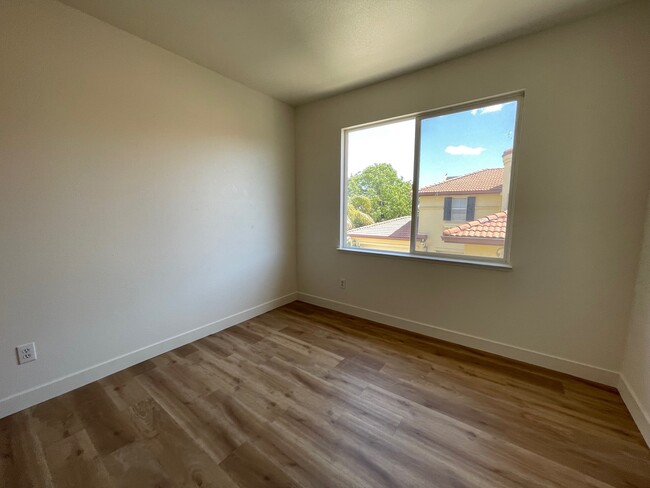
(507, 171)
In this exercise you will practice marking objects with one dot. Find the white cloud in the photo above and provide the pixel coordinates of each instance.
(464, 150)
(487, 110)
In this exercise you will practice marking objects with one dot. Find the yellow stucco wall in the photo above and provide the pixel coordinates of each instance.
(396, 245)
(433, 224)
(484, 250)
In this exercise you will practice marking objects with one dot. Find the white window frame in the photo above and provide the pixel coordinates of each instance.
(505, 261)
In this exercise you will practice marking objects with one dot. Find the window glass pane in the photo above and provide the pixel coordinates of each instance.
(379, 186)
(464, 180)
(458, 208)
(459, 203)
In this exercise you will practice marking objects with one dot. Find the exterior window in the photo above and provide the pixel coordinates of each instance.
(449, 171)
(459, 208)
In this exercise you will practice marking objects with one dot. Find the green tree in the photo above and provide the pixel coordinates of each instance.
(389, 195)
(359, 208)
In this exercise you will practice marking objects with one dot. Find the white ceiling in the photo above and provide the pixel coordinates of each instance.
(300, 50)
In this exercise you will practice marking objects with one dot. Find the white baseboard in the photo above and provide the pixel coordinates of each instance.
(59, 386)
(639, 414)
(575, 368)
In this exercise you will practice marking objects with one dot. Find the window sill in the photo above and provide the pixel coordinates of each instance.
(420, 257)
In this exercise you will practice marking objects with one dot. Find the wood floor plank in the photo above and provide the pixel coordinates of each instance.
(214, 436)
(107, 426)
(8, 469)
(135, 465)
(251, 469)
(303, 467)
(123, 389)
(30, 468)
(73, 461)
(54, 420)
(175, 449)
(559, 443)
(307, 397)
(499, 462)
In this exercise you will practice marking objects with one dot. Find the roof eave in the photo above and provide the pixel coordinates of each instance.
(368, 236)
(456, 192)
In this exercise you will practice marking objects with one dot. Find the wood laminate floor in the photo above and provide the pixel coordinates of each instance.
(306, 397)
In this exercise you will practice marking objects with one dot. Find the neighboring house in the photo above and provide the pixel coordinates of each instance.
(461, 215)
(389, 235)
(483, 237)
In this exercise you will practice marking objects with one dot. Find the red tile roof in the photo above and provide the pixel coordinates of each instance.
(399, 228)
(482, 181)
(492, 227)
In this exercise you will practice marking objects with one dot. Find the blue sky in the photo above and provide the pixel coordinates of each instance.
(459, 143)
(454, 144)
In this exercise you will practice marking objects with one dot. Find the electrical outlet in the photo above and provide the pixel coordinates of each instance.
(26, 353)
(342, 283)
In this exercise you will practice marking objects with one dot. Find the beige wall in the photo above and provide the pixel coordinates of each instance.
(135, 189)
(581, 183)
(432, 223)
(636, 360)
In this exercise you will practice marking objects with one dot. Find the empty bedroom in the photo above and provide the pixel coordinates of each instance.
(324, 243)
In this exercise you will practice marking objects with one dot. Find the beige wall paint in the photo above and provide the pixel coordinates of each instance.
(636, 360)
(581, 183)
(135, 189)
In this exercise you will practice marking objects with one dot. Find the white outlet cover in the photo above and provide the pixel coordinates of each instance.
(26, 353)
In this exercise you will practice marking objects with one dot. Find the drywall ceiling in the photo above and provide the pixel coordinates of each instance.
(300, 50)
